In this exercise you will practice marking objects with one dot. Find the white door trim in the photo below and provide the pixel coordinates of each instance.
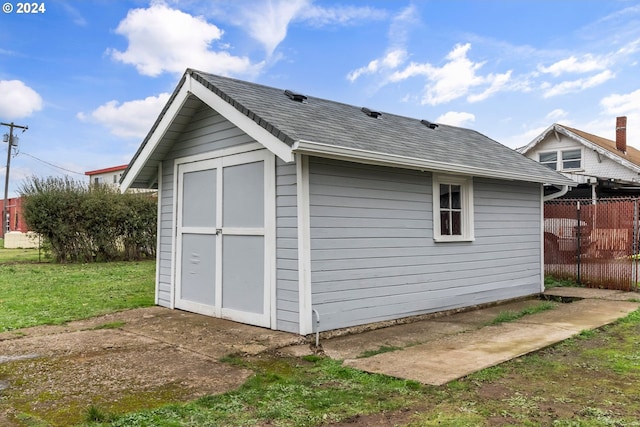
(219, 159)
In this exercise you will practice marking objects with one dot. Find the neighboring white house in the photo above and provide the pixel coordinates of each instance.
(110, 176)
(279, 209)
(600, 166)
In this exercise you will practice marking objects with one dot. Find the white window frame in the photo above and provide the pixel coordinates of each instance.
(549, 162)
(466, 204)
(561, 159)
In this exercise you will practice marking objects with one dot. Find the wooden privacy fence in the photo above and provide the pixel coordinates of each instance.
(595, 244)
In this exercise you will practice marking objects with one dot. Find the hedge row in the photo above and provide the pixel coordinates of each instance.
(81, 223)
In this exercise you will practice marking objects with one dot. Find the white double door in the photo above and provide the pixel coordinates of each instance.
(223, 237)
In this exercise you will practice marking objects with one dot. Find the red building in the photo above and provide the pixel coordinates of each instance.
(16, 219)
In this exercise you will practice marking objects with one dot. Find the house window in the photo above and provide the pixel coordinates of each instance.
(452, 208)
(549, 159)
(571, 159)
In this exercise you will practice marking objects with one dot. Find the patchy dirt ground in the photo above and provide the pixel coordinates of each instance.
(144, 358)
(121, 362)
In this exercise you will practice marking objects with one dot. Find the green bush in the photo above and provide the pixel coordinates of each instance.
(83, 224)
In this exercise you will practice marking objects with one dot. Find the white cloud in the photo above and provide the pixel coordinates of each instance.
(627, 104)
(131, 119)
(401, 24)
(558, 113)
(268, 21)
(74, 14)
(586, 64)
(456, 118)
(576, 85)
(497, 83)
(18, 100)
(454, 79)
(390, 61)
(342, 15)
(396, 54)
(164, 39)
(622, 104)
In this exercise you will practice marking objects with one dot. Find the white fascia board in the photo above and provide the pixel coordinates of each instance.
(156, 137)
(251, 128)
(394, 160)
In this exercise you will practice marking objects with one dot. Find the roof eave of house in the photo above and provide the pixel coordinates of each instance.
(385, 159)
(600, 150)
(591, 145)
(536, 140)
(106, 170)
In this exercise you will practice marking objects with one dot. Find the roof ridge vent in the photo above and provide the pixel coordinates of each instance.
(371, 113)
(295, 96)
(428, 124)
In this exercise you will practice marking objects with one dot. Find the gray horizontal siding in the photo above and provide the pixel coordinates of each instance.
(373, 257)
(287, 305)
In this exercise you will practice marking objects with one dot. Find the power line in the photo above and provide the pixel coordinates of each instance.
(51, 164)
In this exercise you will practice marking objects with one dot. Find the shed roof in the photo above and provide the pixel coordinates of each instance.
(317, 126)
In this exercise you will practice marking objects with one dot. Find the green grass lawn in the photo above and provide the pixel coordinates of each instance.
(587, 381)
(33, 293)
(21, 255)
(590, 380)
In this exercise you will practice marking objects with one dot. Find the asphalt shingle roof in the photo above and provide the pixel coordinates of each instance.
(335, 124)
(632, 154)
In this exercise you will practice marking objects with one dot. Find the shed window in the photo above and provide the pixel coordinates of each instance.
(453, 208)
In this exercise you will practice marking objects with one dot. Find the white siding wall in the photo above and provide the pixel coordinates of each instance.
(593, 164)
(373, 257)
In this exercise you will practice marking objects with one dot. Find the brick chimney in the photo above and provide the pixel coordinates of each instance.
(621, 133)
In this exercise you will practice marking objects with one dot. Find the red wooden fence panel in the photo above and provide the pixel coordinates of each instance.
(593, 243)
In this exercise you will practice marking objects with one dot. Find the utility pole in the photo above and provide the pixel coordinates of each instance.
(5, 207)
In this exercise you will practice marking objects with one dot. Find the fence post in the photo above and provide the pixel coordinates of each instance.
(578, 248)
(634, 246)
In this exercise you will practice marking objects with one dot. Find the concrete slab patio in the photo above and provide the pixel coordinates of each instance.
(440, 350)
(152, 349)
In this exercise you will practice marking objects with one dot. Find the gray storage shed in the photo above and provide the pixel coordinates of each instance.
(273, 205)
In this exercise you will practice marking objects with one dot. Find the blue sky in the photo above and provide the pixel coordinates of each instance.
(89, 77)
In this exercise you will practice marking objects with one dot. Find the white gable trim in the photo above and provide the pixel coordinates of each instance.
(192, 86)
(247, 125)
(155, 138)
(590, 145)
(537, 139)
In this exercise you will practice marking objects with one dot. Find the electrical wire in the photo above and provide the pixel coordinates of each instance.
(51, 164)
